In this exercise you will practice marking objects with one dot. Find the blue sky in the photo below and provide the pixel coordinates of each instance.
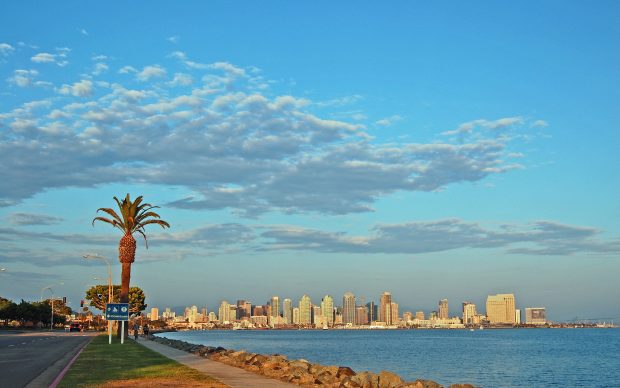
(436, 151)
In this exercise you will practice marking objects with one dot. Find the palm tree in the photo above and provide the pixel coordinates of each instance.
(134, 216)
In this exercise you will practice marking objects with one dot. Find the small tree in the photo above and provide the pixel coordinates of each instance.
(98, 297)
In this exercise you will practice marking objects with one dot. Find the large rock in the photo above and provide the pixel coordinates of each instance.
(344, 371)
(427, 384)
(301, 364)
(462, 386)
(389, 379)
(366, 380)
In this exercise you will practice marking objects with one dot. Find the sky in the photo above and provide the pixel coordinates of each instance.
(433, 150)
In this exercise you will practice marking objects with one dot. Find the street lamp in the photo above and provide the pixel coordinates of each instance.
(89, 256)
(52, 299)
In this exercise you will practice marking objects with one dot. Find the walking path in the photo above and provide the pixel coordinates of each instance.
(229, 375)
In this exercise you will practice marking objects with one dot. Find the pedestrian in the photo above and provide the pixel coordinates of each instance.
(145, 330)
(136, 327)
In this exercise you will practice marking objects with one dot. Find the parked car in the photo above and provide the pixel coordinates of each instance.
(75, 327)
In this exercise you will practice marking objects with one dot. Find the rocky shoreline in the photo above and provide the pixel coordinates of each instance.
(301, 372)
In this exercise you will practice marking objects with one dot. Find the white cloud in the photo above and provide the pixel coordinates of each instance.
(127, 70)
(150, 72)
(386, 122)
(540, 124)
(100, 68)
(83, 31)
(23, 78)
(469, 126)
(6, 49)
(181, 79)
(173, 39)
(44, 58)
(99, 58)
(83, 88)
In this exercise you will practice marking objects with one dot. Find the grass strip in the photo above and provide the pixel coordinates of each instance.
(102, 363)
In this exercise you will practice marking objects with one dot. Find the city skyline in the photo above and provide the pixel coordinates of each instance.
(451, 151)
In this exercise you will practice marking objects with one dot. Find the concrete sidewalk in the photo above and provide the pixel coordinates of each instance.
(229, 375)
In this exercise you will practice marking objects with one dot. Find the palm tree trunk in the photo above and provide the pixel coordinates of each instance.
(125, 277)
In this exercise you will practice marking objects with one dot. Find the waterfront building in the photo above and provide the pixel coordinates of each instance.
(419, 315)
(193, 314)
(305, 310)
(469, 313)
(259, 320)
(295, 315)
(327, 309)
(433, 315)
(260, 310)
(348, 308)
(224, 312)
(316, 314)
(385, 308)
(275, 306)
(443, 309)
(501, 309)
(287, 311)
(212, 316)
(154, 314)
(407, 316)
(203, 313)
(518, 316)
(372, 311)
(244, 309)
(393, 314)
(536, 315)
(361, 315)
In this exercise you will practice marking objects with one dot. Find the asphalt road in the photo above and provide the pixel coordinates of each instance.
(25, 356)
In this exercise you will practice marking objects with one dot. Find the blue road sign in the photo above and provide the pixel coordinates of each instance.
(117, 311)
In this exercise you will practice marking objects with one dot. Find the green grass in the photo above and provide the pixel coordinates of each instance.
(100, 363)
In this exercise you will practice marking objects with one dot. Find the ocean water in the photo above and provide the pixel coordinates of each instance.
(487, 358)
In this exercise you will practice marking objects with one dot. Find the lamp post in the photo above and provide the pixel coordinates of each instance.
(98, 257)
(52, 299)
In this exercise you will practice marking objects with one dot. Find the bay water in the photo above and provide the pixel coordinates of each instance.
(487, 358)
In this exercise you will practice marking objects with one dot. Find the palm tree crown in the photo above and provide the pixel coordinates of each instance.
(134, 216)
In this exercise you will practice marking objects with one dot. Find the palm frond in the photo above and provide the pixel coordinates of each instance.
(161, 223)
(146, 242)
(114, 223)
(110, 212)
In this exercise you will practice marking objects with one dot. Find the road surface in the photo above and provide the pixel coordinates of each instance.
(35, 358)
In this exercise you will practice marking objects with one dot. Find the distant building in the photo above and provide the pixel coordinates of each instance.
(348, 308)
(361, 315)
(259, 311)
(317, 316)
(372, 311)
(407, 316)
(295, 315)
(393, 313)
(305, 310)
(275, 306)
(501, 309)
(518, 316)
(469, 313)
(154, 314)
(224, 312)
(385, 308)
(536, 315)
(212, 317)
(244, 309)
(443, 309)
(419, 315)
(287, 311)
(327, 309)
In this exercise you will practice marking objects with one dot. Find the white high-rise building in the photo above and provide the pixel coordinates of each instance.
(305, 310)
(224, 312)
(275, 306)
(443, 309)
(287, 307)
(469, 313)
(348, 308)
(295, 315)
(327, 309)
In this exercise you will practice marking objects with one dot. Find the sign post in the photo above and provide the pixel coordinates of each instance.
(117, 312)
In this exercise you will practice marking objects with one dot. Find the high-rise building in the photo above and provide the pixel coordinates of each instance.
(393, 313)
(518, 316)
(501, 309)
(361, 315)
(535, 315)
(295, 315)
(407, 316)
(443, 309)
(154, 314)
(224, 312)
(193, 314)
(372, 311)
(419, 315)
(287, 311)
(348, 308)
(305, 310)
(244, 309)
(259, 311)
(212, 316)
(327, 309)
(469, 313)
(385, 308)
(317, 316)
(275, 306)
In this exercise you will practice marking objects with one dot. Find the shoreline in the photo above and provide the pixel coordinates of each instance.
(300, 372)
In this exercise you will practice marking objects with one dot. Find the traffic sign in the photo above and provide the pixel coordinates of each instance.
(117, 311)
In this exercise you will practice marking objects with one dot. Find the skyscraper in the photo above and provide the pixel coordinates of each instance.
(296, 315)
(385, 308)
(348, 308)
(154, 314)
(224, 312)
(305, 310)
(501, 309)
(275, 306)
(327, 309)
(287, 307)
(372, 311)
(361, 315)
(535, 315)
(469, 313)
(443, 309)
